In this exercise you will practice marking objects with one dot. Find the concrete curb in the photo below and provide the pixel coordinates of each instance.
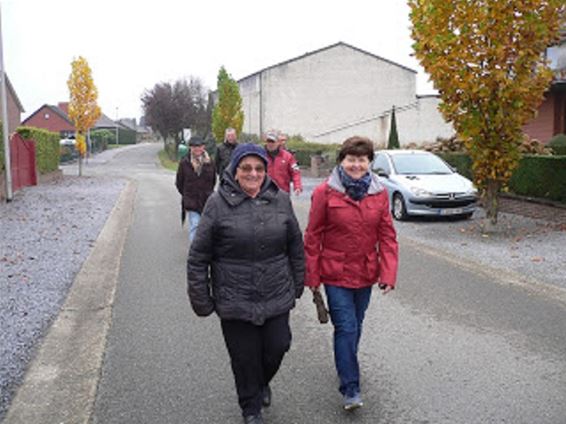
(61, 381)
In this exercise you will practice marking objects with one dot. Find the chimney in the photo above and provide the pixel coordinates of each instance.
(64, 106)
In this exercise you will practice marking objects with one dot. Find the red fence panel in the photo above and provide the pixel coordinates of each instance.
(22, 155)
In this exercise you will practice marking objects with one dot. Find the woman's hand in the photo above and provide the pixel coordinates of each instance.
(385, 288)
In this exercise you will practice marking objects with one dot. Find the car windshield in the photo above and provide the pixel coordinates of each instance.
(419, 164)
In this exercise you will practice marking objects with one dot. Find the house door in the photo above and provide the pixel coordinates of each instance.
(22, 155)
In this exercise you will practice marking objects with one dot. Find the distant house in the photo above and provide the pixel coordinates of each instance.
(551, 116)
(338, 91)
(14, 106)
(51, 118)
(56, 119)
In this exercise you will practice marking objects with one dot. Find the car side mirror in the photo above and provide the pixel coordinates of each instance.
(382, 173)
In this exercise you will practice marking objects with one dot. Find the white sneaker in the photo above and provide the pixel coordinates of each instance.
(352, 402)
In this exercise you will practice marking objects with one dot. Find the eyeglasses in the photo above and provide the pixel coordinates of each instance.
(249, 168)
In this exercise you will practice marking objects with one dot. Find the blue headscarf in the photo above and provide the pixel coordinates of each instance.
(356, 189)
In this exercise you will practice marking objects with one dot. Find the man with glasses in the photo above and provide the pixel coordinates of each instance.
(282, 165)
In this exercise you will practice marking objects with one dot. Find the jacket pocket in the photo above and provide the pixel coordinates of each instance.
(331, 265)
(372, 265)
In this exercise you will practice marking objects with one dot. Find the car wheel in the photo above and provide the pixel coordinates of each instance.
(399, 209)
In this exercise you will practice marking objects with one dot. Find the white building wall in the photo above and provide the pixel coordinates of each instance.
(250, 93)
(332, 94)
(334, 88)
(423, 123)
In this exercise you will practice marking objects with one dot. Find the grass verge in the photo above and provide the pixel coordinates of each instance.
(166, 162)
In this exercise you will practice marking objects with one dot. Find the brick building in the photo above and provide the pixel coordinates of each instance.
(15, 108)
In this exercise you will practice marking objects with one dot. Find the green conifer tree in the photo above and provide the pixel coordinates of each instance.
(393, 142)
(228, 110)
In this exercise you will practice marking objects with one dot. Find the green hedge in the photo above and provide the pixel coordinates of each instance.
(540, 176)
(461, 161)
(46, 147)
(126, 136)
(536, 176)
(558, 144)
(304, 151)
(100, 139)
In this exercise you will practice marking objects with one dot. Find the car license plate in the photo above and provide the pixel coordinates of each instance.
(454, 211)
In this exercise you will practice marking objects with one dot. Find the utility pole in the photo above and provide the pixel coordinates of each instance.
(117, 140)
(5, 135)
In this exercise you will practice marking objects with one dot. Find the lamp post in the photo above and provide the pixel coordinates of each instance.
(117, 140)
(4, 105)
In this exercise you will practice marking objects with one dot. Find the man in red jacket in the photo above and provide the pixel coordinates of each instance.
(282, 166)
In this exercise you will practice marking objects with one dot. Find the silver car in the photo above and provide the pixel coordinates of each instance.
(421, 183)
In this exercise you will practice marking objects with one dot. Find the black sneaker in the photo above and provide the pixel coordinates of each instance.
(253, 419)
(266, 396)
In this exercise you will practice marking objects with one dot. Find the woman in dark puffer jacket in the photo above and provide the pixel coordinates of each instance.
(246, 264)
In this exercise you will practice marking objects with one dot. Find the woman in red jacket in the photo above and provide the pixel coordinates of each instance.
(350, 245)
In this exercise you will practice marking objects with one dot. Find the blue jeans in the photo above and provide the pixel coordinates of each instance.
(194, 218)
(347, 310)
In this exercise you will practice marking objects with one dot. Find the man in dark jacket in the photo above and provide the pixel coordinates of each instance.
(195, 182)
(224, 151)
(247, 265)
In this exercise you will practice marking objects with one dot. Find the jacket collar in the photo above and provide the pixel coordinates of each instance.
(334, 182)
(233, 194)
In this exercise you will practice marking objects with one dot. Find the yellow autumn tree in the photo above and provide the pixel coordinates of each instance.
(486, 59)
(83, 108)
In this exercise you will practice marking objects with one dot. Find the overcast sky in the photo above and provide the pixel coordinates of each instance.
(132, 45)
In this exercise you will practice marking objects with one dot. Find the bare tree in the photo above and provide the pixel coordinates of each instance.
(171, 107)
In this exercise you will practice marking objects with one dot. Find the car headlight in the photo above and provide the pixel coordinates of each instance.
(472, 191)
(420, 192)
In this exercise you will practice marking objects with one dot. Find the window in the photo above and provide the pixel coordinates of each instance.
(380, 163)
(46, 116)
(420, 163)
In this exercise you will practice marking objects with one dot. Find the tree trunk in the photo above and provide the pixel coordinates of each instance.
(80, 165)
(490, 200)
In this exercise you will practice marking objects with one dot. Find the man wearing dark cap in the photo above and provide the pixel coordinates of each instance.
(195, 182)
(283, 167)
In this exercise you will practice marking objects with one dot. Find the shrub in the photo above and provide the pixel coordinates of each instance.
(533, 147)
(303, 150)
(558, 144)
(540, 176)
(452, 144)
(249, 138)
(536, 176)
(126, 136)
(461, 161)
(100, 139)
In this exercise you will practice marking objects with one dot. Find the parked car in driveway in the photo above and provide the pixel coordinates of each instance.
(421, 183)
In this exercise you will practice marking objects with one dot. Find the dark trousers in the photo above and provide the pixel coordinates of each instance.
(256, 352)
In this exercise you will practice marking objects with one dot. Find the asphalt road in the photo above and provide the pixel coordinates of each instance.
(451, 345)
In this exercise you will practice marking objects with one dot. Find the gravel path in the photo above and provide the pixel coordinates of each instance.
(46, 234)
(532, 249)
